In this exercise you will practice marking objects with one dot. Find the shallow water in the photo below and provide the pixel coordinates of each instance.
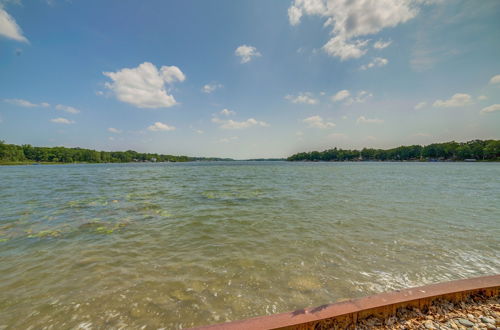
(179, 245)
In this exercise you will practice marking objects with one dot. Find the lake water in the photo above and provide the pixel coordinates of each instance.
(180, 245)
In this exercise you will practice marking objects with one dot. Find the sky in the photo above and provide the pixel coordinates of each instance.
(248, 79)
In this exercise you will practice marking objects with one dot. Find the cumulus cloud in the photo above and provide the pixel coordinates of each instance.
(227, 112)
(233, 124)
(9, 28)
(26, 104)
(351, 20)
(364, 120)
(67, 108)
(61, 120)
(345, 95)
(159, 126)
(482, 97)
(491, 108)
(457, 100)
(114, 130)
(318, 122)
(360, 97)
(495, 79)
(376, 62)
(172, 74)
(341, 95)
(210, 88)
(246, 53)
(420, 105)
(305, 98)
(340, 48)
(144, 86)
(382, 44)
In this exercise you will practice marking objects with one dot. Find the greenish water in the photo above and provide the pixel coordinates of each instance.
(179, 245)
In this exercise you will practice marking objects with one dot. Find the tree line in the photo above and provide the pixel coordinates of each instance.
(28, 153)
(475, 149)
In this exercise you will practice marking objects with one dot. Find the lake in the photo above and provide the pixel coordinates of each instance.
(176, 245)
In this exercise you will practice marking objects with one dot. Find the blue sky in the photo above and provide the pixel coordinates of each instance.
(247, 79)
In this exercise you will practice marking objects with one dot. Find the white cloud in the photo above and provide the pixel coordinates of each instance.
(159, 126)
(350, 20)
(318, 122)
(364, 120)
(246, 53)
(171, 74)
(420, 105)
(227, 112)
(339, 47)
(382, 44)
(114, 130)
(294, 15)
(491, 108)
(210, 88)
(25, 103)
(305, 97)
(232, 124)
(199, 131)
(361, 97)
(341, 95)
(61, 120)
(144, 86)
(67, 108)
(457, 100)
(9, 27)
(376, 62)
(345, 95)
(482, 97)
(495, 79)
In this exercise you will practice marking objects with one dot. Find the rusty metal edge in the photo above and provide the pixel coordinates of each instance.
(308, 315)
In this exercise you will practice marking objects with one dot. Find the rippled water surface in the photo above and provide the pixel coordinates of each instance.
(179, 245)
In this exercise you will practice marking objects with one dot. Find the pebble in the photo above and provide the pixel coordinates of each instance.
(485, 319)
(465, 322)
(429, 324)
(475, 313)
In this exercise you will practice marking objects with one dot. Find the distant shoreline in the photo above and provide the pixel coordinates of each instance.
(257, 161)
(471, 151)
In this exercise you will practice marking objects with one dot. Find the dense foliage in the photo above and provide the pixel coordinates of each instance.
(28, 153)
(475, 149)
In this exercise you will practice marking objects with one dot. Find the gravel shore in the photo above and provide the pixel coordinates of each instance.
(477, 312)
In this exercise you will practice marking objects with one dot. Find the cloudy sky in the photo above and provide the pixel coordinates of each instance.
(247, 79)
